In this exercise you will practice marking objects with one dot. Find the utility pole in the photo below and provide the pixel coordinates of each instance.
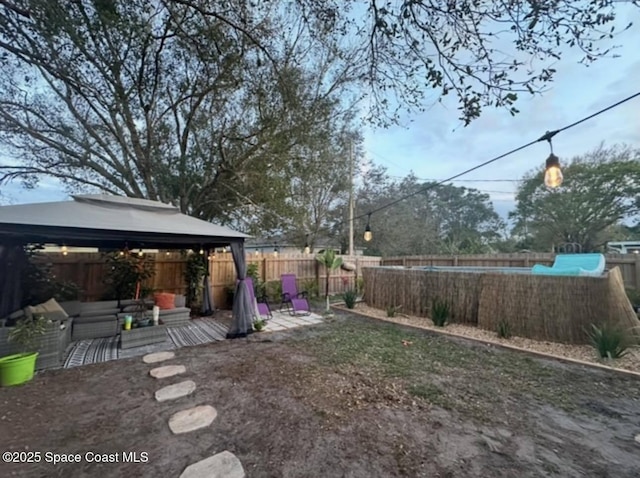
(351, 205)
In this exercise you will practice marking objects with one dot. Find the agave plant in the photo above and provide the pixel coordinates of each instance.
(608, 341)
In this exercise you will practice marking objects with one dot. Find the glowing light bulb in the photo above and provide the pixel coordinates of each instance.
(553, 174)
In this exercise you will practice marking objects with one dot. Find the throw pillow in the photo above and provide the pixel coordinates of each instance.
(165, 300)
(50, 310)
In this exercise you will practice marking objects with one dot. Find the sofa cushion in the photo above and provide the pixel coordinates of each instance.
(90, 319)
(175, 311)
(92, 308)
(165, 300)
(180, 300)
(72, 307)
(49, 309)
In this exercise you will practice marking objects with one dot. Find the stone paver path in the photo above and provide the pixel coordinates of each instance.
(177, 390)
(222, 465)
(158, 357)
(192, 419)
(167, 371)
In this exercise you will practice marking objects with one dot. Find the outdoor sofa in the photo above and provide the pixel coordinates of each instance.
(105, 318)
(52, 345)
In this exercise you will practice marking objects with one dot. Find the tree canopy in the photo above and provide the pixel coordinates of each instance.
(601, 189)
(436, 218)
(241, 111)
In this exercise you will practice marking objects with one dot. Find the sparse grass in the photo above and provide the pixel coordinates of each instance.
(431, 393)
(444, 372)
(392, 310)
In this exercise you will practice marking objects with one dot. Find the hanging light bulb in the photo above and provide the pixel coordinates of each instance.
(275, 250)
(64, 250)
(257, 253)
(140, 252)
(201, 251)
(307, 249)
(121, 253)
(552, 172)
(368, 235)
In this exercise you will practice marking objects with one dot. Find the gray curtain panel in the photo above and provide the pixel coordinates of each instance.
(242, 323)
(207, 298)
(208, 306)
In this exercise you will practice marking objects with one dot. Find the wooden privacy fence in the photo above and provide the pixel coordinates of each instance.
(88, 271)
(629, 264)
(554, 308)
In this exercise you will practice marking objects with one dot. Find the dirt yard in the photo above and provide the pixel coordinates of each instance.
(353, 397)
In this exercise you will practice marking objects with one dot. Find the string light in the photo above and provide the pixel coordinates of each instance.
(552, 172)
(64, 250)
(307, 249)
(546, 137)
(276, 249)
(201, 251)
(140, 253)
(368, 235)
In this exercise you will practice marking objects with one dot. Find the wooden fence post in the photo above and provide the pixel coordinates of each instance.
(637, 278)
(455, 261)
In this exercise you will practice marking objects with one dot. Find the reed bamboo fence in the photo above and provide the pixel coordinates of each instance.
(557, 309)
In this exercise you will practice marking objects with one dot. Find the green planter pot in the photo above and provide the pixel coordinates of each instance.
(17, 369)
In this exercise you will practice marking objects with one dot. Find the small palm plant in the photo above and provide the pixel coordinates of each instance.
(330, 261)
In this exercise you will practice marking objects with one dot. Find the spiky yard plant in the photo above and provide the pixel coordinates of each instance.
(609, 341)
(440, 312)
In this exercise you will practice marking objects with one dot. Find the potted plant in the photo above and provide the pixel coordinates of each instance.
(19, 368)
(258, 325)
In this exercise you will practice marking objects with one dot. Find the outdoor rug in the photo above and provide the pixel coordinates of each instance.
(197, 332)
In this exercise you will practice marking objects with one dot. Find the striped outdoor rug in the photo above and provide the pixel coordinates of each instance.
(197, 332)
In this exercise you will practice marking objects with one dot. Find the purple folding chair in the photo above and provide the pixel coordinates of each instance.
(264, 311)
(296, 302)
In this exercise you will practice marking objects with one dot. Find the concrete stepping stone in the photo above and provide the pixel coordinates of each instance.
(192, 419)
(167, 371)
(158, 357)
(637, 438)
(177, 390)
(222, 465)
